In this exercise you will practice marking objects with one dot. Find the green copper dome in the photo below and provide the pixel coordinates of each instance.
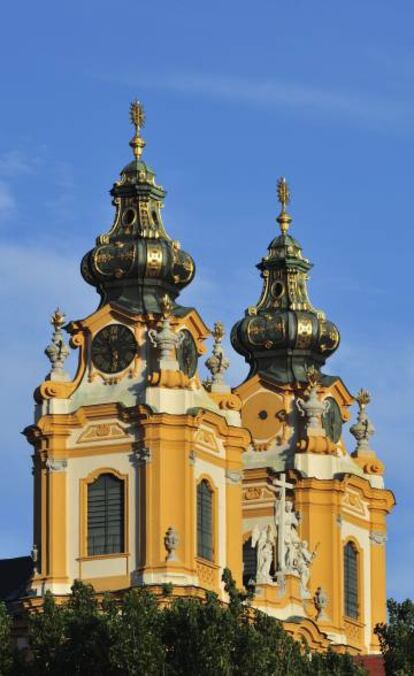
(136, 263)
(283, 334)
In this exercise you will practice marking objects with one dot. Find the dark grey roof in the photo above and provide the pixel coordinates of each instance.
(14, 576)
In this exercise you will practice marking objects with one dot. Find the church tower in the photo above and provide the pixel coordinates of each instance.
(137, 468)
(313, 513)
(143, 474)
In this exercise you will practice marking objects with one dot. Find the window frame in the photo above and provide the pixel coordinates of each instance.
(247, 540)
(358, 566)
(214, 535)
(83, 531)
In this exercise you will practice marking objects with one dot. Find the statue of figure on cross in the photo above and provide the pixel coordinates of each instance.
(293, 555)
(292, 539)
(286, 523)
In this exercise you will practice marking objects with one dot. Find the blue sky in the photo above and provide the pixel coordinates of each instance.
(236, 94)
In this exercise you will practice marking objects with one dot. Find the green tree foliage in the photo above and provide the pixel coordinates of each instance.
(136, 635)
(135, 630)
(397, 638)
(6, 649)
(72, 638)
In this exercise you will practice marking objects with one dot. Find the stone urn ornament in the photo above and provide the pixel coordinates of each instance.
(165, 338)
(363, 428)
(171, 542)
(312, 407)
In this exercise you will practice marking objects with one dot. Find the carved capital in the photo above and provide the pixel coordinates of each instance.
(377, 537)
(233, 477)
(55, 465)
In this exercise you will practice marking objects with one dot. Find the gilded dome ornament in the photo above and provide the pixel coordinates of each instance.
(137, 116)
(284, 334)
(283, 196)
(136, 262)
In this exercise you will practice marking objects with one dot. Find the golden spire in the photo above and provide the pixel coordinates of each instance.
(58, 318)
(283, 196)
(137, 115)
(363, 398)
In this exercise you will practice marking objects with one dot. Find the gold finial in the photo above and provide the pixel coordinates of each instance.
(58, 318)
(218, 332)
(137, 116)
(283, 196)
(363, 398)
(313, 376)
(166, 306)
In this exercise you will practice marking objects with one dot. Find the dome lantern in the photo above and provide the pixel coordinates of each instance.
(136, 263)
(283, 335)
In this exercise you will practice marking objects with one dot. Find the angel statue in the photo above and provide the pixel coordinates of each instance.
(263, 542)
(303, 561)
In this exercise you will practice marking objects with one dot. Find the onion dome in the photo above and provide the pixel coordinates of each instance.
(135, 264)
(284, 335)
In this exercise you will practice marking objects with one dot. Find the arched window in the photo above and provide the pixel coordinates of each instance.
(351, 580)
(204, 521)
(106, 515)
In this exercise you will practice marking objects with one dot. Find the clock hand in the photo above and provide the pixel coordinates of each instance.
(115, 358)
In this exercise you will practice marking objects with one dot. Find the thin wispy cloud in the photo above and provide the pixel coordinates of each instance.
(7, 201)
(15, 163)
(358, 106)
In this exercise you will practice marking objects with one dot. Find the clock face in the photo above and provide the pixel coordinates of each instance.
(113, 348)
(332, 421)
(187, 355)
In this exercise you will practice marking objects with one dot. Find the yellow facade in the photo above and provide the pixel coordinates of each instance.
(277, 477)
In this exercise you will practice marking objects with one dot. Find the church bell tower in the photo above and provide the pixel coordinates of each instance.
(314, 513)
(137, 468)
(143, 474)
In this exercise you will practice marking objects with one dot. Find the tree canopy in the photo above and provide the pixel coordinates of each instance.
(139, 635)
(397, 638)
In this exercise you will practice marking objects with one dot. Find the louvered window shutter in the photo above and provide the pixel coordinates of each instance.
(204, 521)
(351, 580)
(105, 515)
(249, 563)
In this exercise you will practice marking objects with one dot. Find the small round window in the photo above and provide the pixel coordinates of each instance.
(129, 217)
(278, 289)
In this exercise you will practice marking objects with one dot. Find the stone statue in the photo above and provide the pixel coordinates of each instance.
(302, 562)
(279, 487)
(289, 533)
(171, 542)
(293, 555)
(321, 601)
(263, 541)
